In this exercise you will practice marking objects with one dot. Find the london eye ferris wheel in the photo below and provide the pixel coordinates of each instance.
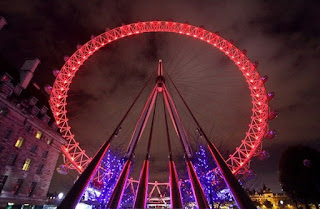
(179, 103)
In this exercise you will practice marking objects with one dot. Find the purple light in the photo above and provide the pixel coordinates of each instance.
(209, 181)
(264, 78)
(271, 134)
(270, 95)
(113, 164)
(273, 114)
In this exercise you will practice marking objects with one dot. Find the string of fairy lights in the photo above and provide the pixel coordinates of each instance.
(114, 165)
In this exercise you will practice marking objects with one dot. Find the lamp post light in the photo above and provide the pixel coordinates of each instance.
(281, 203)
(60, 196)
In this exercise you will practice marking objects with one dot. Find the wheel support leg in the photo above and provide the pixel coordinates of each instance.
(141, 195)
(76, 192)
(240, 196)
(175, 195)
(117, 193)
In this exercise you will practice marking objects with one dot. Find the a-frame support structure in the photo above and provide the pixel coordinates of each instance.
(239, 194)
(140, 201)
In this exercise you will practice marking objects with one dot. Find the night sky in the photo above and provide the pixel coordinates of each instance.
(284, 37)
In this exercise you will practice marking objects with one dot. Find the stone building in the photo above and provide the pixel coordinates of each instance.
(29, 140)
(265, 199)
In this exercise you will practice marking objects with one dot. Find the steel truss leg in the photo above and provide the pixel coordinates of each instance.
(141, 195)
(201, 199)
(175, 195)
(117, 193)
(241, 197)
(76, 192)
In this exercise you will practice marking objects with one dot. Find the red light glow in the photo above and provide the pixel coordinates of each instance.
(255, 85)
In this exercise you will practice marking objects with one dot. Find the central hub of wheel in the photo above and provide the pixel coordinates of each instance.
(160, 79)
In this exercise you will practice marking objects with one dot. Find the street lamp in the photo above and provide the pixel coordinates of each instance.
(60, 195)
(281, 203)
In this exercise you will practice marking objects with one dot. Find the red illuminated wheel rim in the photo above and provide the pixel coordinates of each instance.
(239, 161)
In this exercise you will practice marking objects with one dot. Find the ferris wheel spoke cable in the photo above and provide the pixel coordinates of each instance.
(188, 108)
(187, 61)
(199, 68)
(180, 47)
(118, 127)
(190, 63)
(195, 80)
(195, 55)
(185, 112)
(180, 56)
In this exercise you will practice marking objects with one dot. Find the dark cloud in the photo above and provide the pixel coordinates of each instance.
(282, 36)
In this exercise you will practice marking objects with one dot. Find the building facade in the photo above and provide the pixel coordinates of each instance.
(269, 199)
(266, 199)
(29, 143)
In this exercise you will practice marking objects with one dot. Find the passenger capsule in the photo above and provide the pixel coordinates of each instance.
(264, 155)
(63, 169)
(270, 134)
(273, 114)
(270, 95)
(244, 51)
(66, 58)
(55, 72)
(264, 79)
(48, 89)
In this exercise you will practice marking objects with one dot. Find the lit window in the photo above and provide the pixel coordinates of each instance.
(26, 164)
(19, 142)
(3, 111)
(49, 141)
(39, 134)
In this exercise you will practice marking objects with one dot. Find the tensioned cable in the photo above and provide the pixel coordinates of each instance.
(151, 129)
(185, 112)
(133, 103)
(167, 129)
(194, 118)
